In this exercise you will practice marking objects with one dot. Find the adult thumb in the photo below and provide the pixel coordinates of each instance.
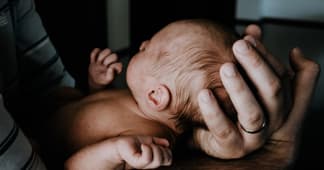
(306, 75)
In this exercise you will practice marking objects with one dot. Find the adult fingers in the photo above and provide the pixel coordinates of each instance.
(250, 114)
(265, 80)
(208, 143)
(254, 31)
(94, 53)
(307, 73)
(222, 135)
(275, 64)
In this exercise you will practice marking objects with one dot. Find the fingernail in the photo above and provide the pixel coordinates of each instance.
(241, 46)
(205, 96)
(229, 70)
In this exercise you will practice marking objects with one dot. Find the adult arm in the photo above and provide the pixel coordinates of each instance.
(42, 76)
(228, 140)
(41, 68)
(44, 83)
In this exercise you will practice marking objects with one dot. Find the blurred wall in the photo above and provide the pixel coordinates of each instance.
(118, 22)
(310, 10)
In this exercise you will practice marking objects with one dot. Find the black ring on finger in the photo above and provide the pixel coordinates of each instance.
(263, 125)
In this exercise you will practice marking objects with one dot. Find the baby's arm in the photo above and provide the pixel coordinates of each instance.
(102, 69)
(102, 155)
(125, 152)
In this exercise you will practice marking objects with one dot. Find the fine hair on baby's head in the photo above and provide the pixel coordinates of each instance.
(190, 55)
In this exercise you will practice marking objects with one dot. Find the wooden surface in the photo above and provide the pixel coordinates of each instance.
(199, 161)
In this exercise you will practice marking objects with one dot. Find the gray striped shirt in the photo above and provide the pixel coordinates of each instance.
(15, 150)
(29, 66)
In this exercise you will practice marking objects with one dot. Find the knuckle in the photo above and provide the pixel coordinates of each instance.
(254, 118)
(223, 134)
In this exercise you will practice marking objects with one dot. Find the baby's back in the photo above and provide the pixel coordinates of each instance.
(101, 116)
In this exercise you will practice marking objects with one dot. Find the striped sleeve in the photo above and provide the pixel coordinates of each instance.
(15, 150)
(41, 68)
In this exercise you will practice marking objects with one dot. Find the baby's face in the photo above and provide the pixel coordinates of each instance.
(138, 72)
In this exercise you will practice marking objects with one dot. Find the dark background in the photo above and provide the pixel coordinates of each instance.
(148, 16)
(76, 27)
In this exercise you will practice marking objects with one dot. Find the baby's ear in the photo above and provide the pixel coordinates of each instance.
(159, 97)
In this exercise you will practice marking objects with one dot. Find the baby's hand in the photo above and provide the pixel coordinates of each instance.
(102, 69)
(144, 152)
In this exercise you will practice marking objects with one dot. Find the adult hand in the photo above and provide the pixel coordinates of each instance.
(224, 139)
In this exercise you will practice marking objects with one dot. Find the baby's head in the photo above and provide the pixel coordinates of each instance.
(170, 69)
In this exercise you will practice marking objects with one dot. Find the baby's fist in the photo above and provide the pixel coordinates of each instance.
(102, 69)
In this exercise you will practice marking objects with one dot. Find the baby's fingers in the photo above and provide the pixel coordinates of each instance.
(146, 155)
(161, 141)
(167, 156)
(103, 54)
(110, 59)
(141, 159)
(161, 157)
(116, 67)
(94, 54)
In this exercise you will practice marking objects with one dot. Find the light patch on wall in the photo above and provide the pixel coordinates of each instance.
(118, 24)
